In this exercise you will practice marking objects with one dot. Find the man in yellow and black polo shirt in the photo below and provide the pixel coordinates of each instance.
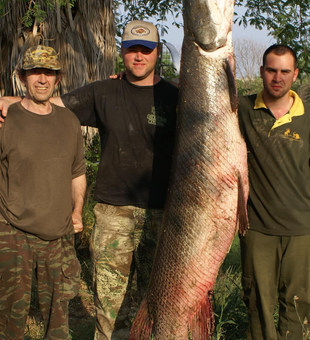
(276, 249)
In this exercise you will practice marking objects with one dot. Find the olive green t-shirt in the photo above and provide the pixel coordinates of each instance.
(39, 157)
(279, 172)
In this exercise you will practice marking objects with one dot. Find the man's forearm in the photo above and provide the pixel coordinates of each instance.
(12, 100)
(5, 103)
(78, 193)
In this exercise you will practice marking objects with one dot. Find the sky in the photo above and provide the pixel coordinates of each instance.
(175, 35)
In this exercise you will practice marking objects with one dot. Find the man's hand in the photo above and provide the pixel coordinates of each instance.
(118, 75)
(77, 222)
(78, 193)
(5, 103)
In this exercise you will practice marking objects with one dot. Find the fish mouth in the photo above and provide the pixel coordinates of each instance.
(208, 23)
(212, 44)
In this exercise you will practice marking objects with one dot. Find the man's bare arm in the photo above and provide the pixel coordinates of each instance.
(57, 101)
(5, 103)
(78, 193)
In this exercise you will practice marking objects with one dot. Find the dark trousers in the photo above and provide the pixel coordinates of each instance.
(276, 266)
(57, 271)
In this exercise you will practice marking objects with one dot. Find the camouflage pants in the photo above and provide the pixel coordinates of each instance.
(123, 245)
(57, 271)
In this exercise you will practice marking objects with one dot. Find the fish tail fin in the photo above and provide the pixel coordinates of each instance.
(201, 326)
(242, 212)
(142, 326)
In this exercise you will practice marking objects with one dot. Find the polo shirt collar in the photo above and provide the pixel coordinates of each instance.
(297, 109)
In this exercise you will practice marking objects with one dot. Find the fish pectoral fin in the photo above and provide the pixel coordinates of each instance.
(229, 67)
(242, 217)
(201, 326)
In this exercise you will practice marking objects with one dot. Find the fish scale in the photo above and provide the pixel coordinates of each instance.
(209, 185)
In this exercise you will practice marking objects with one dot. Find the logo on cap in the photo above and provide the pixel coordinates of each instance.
(140, 31)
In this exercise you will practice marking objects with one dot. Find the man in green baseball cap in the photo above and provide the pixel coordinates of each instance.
(41, 57)
(40, 74)
(136, 119)
(41, 200)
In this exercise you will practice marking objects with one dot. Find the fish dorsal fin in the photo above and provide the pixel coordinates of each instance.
(229, 67)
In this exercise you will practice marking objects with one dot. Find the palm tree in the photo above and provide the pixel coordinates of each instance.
(84, 36)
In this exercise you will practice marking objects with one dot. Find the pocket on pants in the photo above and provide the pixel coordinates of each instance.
(70, 277)
(248, 291)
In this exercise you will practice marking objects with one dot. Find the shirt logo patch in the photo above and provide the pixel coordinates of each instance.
(153, 119)
(291, 135)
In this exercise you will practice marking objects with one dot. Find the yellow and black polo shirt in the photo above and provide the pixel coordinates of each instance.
(278, 160)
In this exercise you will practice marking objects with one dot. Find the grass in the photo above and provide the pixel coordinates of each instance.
(230, 313)
(229, 310)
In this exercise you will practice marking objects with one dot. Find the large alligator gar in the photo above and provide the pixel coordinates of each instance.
(209, 185)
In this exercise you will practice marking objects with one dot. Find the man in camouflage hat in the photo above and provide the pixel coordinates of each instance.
(41, 57)
(136, 118)
(41, 200)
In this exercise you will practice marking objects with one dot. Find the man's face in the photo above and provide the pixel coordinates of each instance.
(278, 75)
(139, 62)
(40, 84)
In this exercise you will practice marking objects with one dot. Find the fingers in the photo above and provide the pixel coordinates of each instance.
(77, 228)
(2, 116)
(3, 113)
(118, 75)
(77, 223)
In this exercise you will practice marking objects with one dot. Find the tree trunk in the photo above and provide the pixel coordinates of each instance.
(84, 36)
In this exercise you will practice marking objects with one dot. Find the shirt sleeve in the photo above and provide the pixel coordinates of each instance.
(82, 103)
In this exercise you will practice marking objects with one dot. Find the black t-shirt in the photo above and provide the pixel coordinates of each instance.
(137, 129)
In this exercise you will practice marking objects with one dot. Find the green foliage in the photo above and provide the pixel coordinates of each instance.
(288, 22)
(34, 11)
(124, 11)
(164, 66)
(92, 156)
(304, 92)
(229, 310)
(249, 86)
(128, 10)
(119, 65)
(2, 6)
(92, 153)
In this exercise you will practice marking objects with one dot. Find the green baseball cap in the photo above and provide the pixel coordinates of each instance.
(41, 57)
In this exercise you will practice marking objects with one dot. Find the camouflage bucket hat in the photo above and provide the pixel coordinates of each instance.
(41, 57)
